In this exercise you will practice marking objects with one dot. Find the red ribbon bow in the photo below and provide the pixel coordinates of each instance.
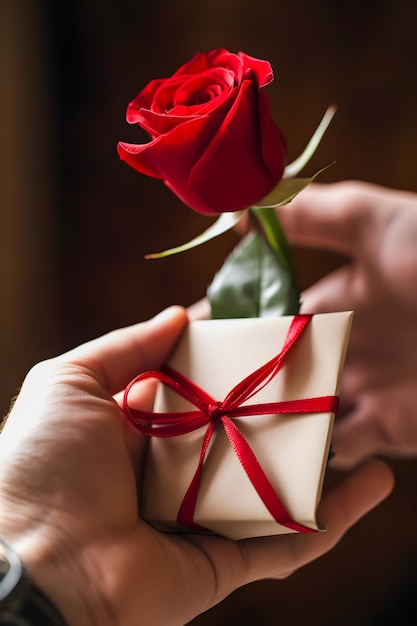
(210, 412)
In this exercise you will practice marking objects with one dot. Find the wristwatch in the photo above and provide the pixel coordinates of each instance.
(22, 603)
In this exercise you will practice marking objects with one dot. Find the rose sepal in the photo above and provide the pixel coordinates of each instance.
(225, 222)
(283, 193)
(286, 190)
(295, 167)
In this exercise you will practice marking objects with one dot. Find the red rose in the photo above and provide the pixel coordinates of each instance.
(214, 142)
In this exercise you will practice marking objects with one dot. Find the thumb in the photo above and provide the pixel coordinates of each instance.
(328, 217)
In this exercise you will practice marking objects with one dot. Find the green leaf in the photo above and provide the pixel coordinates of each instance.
(225, 222)
(297, 165)
(286, 190)
(253, 283)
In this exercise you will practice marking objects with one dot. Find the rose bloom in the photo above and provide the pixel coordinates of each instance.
(214, 142)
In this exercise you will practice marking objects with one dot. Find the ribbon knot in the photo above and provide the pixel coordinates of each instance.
(215, 410)
(211, 412)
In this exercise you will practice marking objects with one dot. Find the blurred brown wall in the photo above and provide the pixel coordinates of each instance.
(75, 223)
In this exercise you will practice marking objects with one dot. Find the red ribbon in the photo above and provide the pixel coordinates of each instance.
(210, 412)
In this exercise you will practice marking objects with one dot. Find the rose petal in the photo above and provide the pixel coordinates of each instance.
(198, 90)
(159, 124)
(226, 59)
(173, 155)
(133, 155)
(259, 68)
(161, 105)
(274, 150)
(231, 174)
(197, 65)
(143, 100)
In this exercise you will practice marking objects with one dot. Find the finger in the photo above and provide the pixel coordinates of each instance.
(329, 217)
(379, 423)
(355, 438)
(238, 563)
(141, 396)
(277, 557)
(337, 291)
(199, 310)
(120, 355)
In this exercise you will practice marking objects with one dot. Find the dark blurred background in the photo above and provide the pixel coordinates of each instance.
(75, 222)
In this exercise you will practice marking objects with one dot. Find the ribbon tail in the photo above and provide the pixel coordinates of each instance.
(259, 479)
(185, 515)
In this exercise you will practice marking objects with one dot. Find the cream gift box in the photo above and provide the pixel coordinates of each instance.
(291, 449)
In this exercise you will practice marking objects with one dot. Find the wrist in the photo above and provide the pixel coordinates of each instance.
(58, 564)
(21, 601)
(49, 590)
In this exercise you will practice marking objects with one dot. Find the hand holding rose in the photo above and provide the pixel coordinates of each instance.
(377, 229)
